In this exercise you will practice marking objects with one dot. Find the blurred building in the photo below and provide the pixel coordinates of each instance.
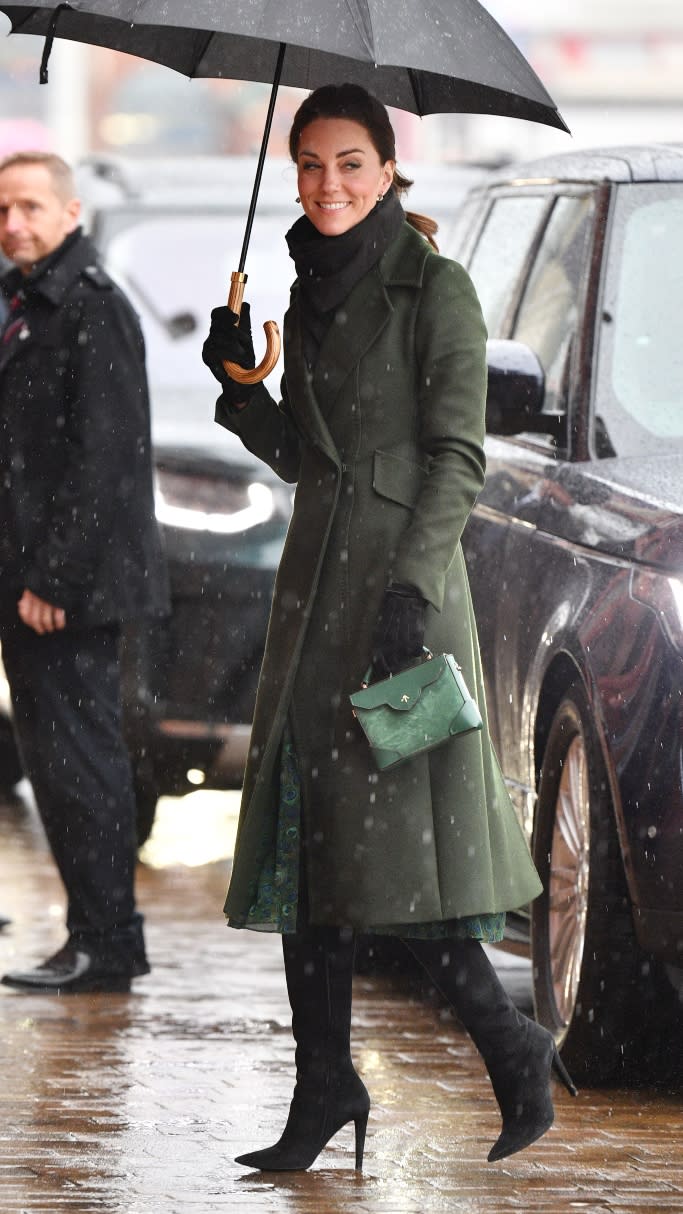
(614, 67)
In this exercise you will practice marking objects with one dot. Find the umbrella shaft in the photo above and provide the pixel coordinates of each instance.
(262, 155)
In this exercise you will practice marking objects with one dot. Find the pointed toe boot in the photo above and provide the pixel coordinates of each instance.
(520, 1055)
(520, 1074)
(328, 1093)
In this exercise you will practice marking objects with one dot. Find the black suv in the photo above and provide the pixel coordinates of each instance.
(575, 555)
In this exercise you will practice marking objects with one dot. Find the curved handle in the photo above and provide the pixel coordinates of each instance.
(427, 656)
(240, 374)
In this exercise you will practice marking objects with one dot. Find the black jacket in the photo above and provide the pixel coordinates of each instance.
(77, 522)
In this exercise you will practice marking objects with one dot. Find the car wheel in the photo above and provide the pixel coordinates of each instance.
(146, 797)
(589, 977)
(10, 763)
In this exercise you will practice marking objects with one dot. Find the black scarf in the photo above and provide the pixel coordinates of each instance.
(328, 267)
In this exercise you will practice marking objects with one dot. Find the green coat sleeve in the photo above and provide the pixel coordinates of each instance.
(450, 344)
(266, 429)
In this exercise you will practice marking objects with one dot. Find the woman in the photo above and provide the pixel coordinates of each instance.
(381, 424)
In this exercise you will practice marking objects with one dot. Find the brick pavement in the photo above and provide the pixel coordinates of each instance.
(137, 1104)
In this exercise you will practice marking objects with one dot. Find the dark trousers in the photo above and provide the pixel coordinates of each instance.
(65, 689)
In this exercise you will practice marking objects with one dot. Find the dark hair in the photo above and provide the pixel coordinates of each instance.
(355, 103)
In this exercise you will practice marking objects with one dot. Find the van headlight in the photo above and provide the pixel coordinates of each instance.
(5, 698)
(207, 503)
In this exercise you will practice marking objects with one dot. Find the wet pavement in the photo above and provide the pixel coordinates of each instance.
(136, 1104)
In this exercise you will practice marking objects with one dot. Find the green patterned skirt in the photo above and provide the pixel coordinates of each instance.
(276, 903)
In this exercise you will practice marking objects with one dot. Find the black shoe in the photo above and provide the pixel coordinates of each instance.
(73, 971)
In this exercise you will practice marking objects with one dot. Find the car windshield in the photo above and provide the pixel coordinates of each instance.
(639, 389)
(175, 269)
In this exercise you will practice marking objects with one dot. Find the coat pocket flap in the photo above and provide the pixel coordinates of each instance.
(396, 478)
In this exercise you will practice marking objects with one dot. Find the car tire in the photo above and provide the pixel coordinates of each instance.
(590, 979)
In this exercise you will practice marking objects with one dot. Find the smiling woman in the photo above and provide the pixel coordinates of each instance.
(380, 425)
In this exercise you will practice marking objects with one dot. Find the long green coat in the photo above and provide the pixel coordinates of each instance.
(385, 442)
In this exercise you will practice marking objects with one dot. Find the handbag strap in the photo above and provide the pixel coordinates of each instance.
(427, 656)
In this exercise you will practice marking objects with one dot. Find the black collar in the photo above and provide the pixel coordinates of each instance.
(53, 276)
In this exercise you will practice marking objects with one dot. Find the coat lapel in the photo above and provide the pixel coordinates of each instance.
(356, 327)
(303, 401)
(366, 312)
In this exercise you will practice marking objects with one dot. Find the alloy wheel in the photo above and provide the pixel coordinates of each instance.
(568, 879)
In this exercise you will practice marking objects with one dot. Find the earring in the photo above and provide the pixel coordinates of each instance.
(380, 197)
(297, 199)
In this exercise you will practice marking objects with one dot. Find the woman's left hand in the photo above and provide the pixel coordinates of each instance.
(400, 629)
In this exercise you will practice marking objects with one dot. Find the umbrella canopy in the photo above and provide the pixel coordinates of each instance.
(424, 56)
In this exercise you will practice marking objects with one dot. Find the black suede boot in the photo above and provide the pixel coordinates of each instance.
(519, 1053)
(328, 1092)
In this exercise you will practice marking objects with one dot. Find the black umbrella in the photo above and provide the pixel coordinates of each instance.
(424, 56)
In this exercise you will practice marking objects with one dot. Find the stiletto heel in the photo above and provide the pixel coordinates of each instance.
(320, 1108)
(328, 1093)
(563, 1074)
(360, 1125)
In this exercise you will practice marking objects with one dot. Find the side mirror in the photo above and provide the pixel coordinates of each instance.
(516, 390)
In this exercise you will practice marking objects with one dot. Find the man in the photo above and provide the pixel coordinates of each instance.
(79, 553)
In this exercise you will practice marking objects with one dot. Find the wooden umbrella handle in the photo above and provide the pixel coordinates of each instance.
(240, 374)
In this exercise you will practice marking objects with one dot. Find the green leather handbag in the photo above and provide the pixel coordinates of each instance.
(414, 711)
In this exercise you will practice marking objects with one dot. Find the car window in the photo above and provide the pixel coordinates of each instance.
(547, 317)
(501, 252)
(175, 269)
(640, 368)
(455, 238)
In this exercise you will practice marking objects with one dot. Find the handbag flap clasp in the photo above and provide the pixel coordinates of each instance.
(402, 691)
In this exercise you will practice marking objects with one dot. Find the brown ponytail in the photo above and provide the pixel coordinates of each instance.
(423, 224)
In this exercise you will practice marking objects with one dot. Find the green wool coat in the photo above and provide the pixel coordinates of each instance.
(384, 440)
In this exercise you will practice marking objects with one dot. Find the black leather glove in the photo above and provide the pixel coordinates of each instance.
(231, 341)
(399, 631)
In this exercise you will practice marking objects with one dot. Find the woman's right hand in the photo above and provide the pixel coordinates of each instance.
(230, 341)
